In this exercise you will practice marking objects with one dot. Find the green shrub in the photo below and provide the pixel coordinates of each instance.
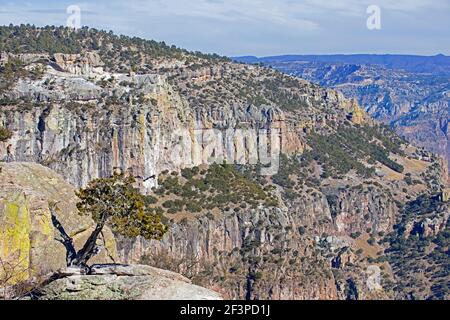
(5, 134)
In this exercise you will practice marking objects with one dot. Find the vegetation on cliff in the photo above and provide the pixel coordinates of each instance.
(5, 134)
(349, 147)
(220, 186)
(209, 81)
(114, 202)
(419, 249)
(50, 39)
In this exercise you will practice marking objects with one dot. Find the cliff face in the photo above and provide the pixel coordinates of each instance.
(233, 254)
(428, 126)
(313, 229)
(280, 253)
(85, 141)
(84, 131)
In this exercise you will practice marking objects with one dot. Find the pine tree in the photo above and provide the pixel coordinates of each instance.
(116, 203)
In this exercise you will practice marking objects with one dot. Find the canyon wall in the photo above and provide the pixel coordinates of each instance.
(94, 134)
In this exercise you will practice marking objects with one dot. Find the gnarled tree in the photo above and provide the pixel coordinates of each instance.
(114, 202)
(5, 135)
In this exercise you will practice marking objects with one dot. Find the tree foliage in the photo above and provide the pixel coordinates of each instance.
(116, 203)
(349, 147)
(420, 260)
(5, 134)
(220, 186)
(111, 47)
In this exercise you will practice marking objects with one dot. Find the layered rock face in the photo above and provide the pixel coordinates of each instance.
(227, 255)
(280, 253)
(101, 129)
(88, 142)
(117, 282)
(428, 126)
(27, 236)
(87, 64)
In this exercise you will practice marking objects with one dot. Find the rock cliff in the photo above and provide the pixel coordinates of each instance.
(280, 253)
(84, 131)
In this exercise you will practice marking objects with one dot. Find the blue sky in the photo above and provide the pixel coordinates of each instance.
(258, 27)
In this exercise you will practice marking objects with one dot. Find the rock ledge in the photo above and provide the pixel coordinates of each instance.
(124, 282)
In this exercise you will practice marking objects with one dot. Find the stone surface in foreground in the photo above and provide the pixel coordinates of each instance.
(123, 282)
(27, 236)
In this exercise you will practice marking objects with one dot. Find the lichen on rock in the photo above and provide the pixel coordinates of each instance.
(27, 236)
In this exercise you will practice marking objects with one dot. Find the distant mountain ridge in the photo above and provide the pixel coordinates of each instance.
(410, 93)
(438, 64)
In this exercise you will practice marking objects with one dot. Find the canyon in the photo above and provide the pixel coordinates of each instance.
(409, 93)
(317, 228)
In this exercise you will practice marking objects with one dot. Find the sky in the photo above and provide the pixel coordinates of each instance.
(258, 27)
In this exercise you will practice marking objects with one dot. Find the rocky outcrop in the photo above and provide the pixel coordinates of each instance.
(427, 126)
(124, 282)
(357, 116)
(27, 236)
(24, 57)
(102, 129)
(86, 64)
(288, 252)
(358, 209)
(429, 226)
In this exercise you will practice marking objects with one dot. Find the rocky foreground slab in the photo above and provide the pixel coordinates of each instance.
(123, 282)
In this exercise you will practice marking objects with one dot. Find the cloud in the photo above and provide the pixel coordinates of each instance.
(259, 27)
(60, 11)
(253, 11)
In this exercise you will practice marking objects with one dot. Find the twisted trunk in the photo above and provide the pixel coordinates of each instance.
(66, 240)
(90, 248)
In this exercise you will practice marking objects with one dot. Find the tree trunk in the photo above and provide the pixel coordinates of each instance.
(90, 248)
(66, 240)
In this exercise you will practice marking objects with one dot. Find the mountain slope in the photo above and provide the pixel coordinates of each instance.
(410, 93)
(311, 229)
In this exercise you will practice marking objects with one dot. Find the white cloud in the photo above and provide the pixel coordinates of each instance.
(253, 11)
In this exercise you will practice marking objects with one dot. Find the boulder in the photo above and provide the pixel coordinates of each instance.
(86, 64)
(124, 282)
(27, 236)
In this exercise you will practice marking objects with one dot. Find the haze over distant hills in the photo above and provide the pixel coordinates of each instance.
(410, 93)
(424, 64)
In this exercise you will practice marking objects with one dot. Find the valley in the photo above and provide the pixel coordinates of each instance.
(350, 197)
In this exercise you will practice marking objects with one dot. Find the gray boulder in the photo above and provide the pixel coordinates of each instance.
(124, 282)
